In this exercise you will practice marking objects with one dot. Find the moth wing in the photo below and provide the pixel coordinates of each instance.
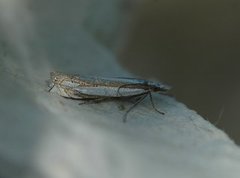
(104, 91)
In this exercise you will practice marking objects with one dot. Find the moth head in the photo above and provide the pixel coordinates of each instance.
(161, 87)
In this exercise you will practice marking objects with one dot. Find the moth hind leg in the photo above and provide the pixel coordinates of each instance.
(132, 100)
(139, 100)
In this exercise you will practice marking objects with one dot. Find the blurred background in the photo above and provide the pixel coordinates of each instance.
(195, 47)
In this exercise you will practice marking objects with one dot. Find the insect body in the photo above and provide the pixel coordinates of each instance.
(97, 89)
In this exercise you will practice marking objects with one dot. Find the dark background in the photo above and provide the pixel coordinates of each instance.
(195, 47)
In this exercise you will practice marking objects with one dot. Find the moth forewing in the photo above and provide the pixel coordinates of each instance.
(104, 91)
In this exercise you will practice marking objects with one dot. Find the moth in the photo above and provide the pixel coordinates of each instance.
(99, 89)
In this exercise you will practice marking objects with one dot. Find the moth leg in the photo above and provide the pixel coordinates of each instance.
(153, 105)
(51, 87)
(133, 106)
(137, 98)
(118, 91)
(132, 100)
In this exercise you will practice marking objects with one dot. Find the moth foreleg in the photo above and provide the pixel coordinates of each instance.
(153, 105)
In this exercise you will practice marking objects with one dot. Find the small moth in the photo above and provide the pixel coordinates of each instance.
(98, 89)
